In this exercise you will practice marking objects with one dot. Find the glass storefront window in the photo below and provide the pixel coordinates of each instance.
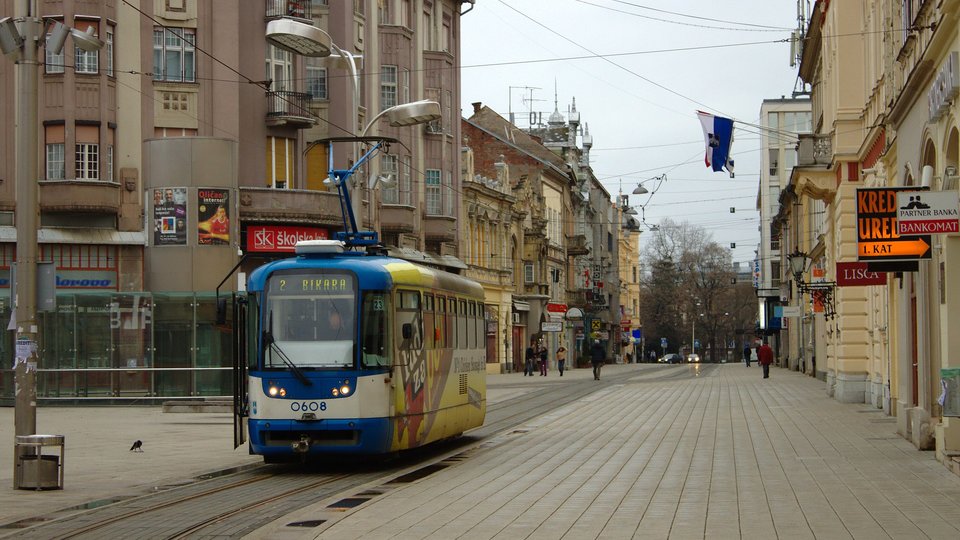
(214, 349)
(173, 343)
(123, 346)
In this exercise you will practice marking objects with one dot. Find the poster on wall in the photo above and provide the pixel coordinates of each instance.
(213, 217)
(170, 217)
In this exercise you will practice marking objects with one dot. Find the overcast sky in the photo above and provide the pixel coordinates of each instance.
(638, 90)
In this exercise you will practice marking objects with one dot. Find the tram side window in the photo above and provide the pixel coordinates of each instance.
(481, 330)
(429, 323)
(375, 329)
(452, 321)
(444, 328)
(409, 317)
(462, 324)
(472, 326)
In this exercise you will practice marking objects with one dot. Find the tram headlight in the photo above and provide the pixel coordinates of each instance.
(275, 391)
(335, 392)
(344, 390)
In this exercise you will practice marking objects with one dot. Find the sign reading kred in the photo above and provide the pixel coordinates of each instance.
(851, 274)
(877, 236)
(280, 238)
(553, 307)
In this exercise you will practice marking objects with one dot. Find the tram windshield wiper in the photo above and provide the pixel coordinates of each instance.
(297, 372)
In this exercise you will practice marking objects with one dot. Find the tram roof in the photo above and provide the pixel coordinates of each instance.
(373, 271)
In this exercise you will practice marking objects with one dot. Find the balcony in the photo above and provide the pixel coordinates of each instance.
(81, 196)
(398, 218)
(440, 228)
(290, 206)
(814, 151)
(577, 245)
(289, 9)
(285, 108)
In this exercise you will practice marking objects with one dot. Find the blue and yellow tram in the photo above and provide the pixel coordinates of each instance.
(349, 352)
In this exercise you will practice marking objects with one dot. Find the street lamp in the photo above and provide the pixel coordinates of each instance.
(308, 40)
(640, 190)
(406, 114)
(821, 291)
(22, 36)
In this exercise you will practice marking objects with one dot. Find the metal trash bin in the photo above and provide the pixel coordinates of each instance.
(36, 470)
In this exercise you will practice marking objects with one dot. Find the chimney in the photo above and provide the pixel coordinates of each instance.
(476, 106)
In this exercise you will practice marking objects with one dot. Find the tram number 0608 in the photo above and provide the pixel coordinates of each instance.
(308, 406)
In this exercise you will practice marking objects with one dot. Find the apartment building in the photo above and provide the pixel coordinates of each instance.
(192, 143)
(883, 79)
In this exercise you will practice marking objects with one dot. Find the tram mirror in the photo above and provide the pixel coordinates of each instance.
(407, 330)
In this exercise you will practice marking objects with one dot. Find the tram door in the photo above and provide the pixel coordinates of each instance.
(241, 351)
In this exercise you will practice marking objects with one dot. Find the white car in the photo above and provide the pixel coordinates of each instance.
(693, 358)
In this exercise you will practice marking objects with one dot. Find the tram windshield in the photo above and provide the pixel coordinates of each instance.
(311, 320)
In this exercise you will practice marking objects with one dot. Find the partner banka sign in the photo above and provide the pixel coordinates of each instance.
(927, 212)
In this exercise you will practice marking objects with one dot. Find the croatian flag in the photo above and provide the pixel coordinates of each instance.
(718, 136)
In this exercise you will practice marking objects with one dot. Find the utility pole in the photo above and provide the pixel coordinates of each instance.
(27, 173)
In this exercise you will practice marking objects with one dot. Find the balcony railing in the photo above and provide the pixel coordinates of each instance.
(299, 9)
(289, 107)
(814, 150)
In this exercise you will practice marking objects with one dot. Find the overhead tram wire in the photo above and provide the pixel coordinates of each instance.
(634, 73)
(265, 84)
(195, 46)
(762, 28)
(698, 17)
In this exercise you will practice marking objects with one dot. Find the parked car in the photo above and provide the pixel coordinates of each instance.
(693, 357)
(671, 358)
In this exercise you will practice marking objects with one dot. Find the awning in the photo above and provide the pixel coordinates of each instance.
(521, 306)
(80, 236)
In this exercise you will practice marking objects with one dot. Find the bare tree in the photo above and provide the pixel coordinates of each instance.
(691, 277)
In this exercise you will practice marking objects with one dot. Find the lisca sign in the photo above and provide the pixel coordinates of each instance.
(856, 273)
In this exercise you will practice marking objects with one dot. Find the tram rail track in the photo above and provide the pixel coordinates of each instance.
(244, 503)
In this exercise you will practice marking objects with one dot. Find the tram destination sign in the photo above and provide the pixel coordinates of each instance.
(878, 238)
(928, 212)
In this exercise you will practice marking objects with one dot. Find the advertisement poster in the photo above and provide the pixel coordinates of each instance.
(213, 217)
(170, 217)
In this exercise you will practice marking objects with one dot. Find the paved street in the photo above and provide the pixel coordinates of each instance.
(725, 454)
(672, 452)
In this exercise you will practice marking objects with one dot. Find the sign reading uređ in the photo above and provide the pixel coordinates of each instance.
(877, 236)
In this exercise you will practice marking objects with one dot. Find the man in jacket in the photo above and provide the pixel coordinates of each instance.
(765, 357)
(597, 356)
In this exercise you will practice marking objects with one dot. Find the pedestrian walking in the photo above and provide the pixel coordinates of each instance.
(753, 355)
(652, 356)
(561, 359)
(597, 357)
(543, 360)
(529, 358)
(746, 354)
(765, 355)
